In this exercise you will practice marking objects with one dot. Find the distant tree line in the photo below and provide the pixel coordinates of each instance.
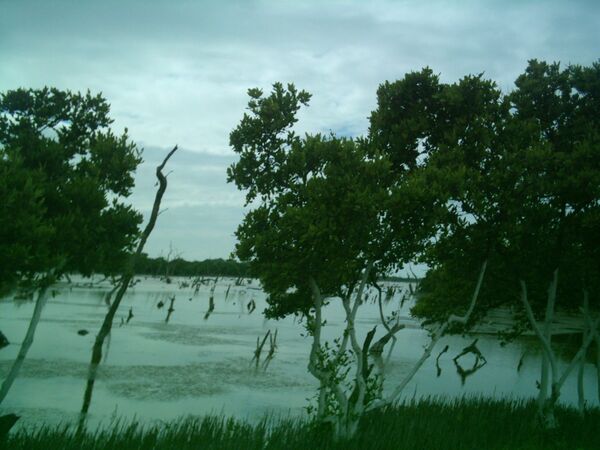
(180, 267)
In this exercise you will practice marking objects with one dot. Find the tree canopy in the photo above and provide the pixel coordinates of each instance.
(319, 202)
(529, 194)
(65, 176)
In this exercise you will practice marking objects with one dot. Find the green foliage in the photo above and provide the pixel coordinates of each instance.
(319, 203)
(64, 177)
(404, 116)
(519, 177)
(21, 222)
(262, 139)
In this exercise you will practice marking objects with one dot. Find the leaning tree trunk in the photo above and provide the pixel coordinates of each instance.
(124, 284)
(40, 302)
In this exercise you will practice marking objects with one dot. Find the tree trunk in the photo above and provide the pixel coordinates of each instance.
(346, 427)
(97, 349)
(33, 323)
(545, 367)
(544, 382)
(546, 412)
(124, 284)
(345, 423)
(322, 401)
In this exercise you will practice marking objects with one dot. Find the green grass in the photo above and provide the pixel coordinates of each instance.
(477, 424)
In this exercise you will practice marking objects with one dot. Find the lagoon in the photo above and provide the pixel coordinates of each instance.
(191, 366)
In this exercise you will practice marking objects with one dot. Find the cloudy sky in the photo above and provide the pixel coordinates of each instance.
(177, 72)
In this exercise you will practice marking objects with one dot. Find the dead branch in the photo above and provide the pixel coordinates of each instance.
(170, 310)
(126, 278)
(272, 348)
(437, 360)
(251, 306)
(211, 300)
(259, 346)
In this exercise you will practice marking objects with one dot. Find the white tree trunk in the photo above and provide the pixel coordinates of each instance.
(350, 408)
(33, 323)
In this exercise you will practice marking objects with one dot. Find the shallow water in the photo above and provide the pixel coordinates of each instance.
(191, 366)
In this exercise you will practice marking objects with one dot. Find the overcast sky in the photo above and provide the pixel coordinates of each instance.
(177, 72)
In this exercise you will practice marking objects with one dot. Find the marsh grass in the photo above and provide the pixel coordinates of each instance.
(476, 423)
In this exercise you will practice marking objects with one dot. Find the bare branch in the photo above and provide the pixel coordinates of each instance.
(124, 284)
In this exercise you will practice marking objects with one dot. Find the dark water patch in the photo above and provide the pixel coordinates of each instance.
(196, 380)
(189, 337)
(42, 368)
(142, 382)
(206, 330)
(75, 322)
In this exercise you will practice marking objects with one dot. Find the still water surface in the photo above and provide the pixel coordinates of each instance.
(191, 366)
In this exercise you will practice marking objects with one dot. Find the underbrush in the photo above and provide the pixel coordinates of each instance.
(467, 424)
